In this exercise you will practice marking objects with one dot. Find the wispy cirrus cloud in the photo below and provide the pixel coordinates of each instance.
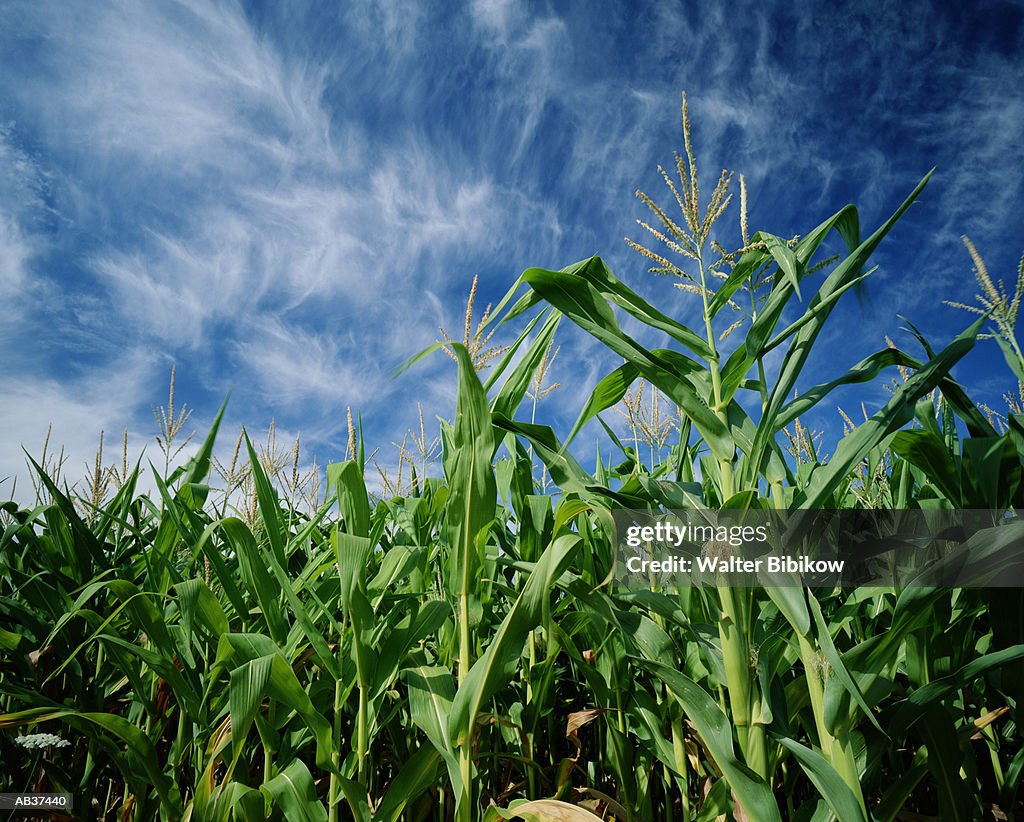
(22, 211)
(175, 88)
(289, 202)
(78, 409)
(294, 367)
(254, 222)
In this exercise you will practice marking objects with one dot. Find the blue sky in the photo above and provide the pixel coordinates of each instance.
(287, 200)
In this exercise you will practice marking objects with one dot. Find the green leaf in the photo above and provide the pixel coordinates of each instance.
(1011, 356)
(993, 472)
(746, 267)
(838, 667)
(83, 538)
(10, 641)
(924, 450)
(801, 345)
(546, 810)
(606, 393)
(864, 371)
(945, 758)
(564, 469)
(346, 479)
(827, 780)
(596, 273)
(270, 508)
(253, 569)
(144, 613)
(431, 693)
(417, 775)
(518, 383)
(293, 791)
(499, 663)
(716, 733)
(896, 794)
(282, 685)
(473, 492)
(353, 556)
(896, 412)
(786, 259)
(245, 695)
(922, 699)
(586, 307)
(198, 467)
(145, 770)
(197, 603)
(422, 624)
(792, 604)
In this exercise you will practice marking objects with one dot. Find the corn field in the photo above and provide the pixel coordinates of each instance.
(458, 649)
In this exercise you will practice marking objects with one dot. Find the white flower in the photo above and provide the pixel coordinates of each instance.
(41, 741)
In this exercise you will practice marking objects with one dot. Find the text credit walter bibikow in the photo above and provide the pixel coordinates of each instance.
(665, 549)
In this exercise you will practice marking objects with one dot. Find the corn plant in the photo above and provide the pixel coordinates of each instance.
(458, 648)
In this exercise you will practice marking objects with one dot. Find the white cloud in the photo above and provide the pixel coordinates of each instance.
(985, 179)
(394, 24)
(496, 16)
(78, 409)
(15, 251)
(298, 217)
(176, 87)
(278, 209)
(21, 209)
(293, 366)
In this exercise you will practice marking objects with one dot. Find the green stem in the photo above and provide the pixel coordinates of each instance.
(679, 752)
(724, 465)
(816, 692)
(465, 770)
(762, 379)
(836, 749)
(99, 689)
(736, 658)
(362, 734)
(36, 757)
(363, 710)
(734, 624)
(268, 752)
(626, 786)
(466, 751)
(334, 791)
(678, 745)
(531, 775)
